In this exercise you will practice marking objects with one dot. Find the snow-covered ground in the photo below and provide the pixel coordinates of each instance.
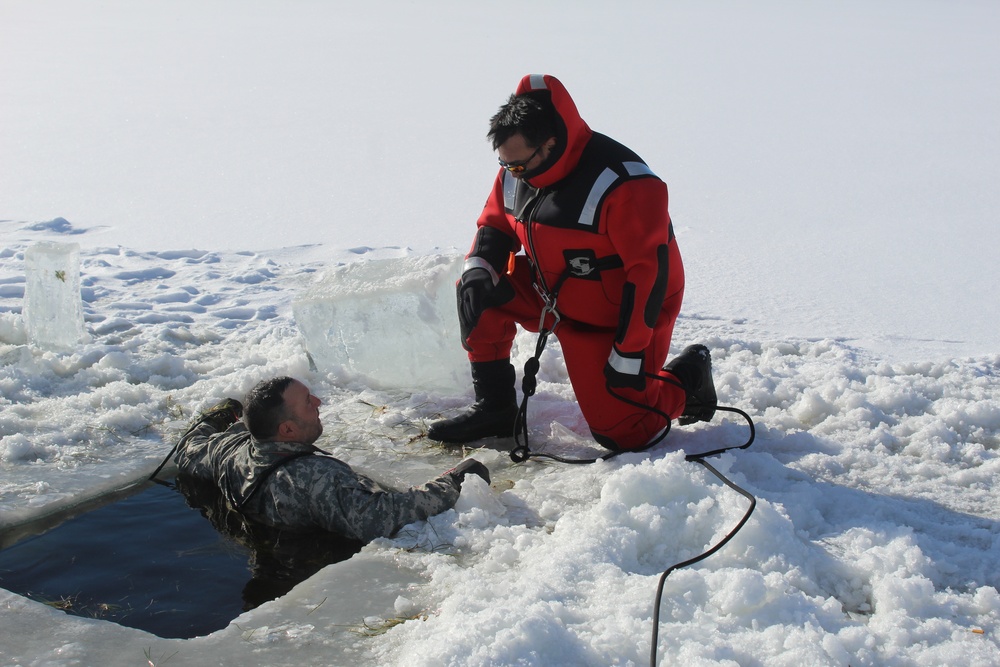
(832, 169)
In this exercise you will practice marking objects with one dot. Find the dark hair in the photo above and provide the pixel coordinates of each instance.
(264, 407)
(527, 114)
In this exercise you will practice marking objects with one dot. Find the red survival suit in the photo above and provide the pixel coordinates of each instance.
(597, 211)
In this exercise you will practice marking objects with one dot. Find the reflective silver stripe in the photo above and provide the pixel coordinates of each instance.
(537, 82)
(509, 188)
(638, 169)
(480, 263)
(588, 217)
(625, 365)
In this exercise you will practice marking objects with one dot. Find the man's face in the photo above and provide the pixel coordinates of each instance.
(302, 408)
(520, 158)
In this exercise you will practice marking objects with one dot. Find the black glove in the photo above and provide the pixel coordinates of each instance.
(620, 380)
(473, 293)
(469, 466)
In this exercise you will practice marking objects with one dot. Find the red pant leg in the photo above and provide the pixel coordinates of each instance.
(615, 423)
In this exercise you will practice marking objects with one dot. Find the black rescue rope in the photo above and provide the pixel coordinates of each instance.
(529, 383)
(152, 478)
(700, 458)
(522, 450)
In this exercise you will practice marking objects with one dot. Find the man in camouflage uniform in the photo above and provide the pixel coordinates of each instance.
(268, 469)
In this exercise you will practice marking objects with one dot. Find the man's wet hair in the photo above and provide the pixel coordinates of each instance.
(527, 114)
(264, 407)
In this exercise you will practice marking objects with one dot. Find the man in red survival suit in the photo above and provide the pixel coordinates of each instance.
(592, 220)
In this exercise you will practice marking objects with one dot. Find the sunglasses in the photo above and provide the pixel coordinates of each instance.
(518, 166)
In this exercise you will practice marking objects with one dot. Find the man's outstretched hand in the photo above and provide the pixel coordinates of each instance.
(469, 466)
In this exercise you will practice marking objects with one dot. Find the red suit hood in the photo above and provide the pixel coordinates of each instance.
(572, 133)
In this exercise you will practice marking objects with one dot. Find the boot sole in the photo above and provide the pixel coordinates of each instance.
(695, 416)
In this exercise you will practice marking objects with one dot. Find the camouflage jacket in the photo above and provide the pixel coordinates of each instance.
(299, 486)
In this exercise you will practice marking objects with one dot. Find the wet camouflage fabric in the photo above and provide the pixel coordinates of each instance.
(309, 492)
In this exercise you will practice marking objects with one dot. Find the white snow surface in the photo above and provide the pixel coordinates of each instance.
(833, 177)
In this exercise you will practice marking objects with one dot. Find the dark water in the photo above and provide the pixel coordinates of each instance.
(169, 560)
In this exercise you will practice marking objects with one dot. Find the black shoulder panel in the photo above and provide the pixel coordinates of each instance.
(575, 202)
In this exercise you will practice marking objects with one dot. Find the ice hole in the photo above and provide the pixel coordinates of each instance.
(167, 559)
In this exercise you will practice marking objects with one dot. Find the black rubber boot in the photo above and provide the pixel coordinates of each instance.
(693, 367)
(493, 413)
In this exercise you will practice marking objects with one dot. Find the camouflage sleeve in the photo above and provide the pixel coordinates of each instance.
(343, 501)
(201, 450)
